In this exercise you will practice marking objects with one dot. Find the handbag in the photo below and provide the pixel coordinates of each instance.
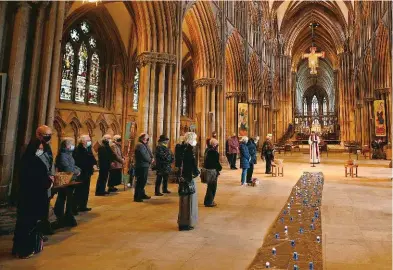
(186, 187)
(208, 176)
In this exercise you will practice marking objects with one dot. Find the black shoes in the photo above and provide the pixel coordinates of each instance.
(145, 197)
(211, 205)
(112, 189)
(102, 194)
(138, 200)
(166, 191)
(86, 209)
(159, 194)
(185, 228)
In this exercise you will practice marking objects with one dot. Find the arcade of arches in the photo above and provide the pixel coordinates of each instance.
(170, 67)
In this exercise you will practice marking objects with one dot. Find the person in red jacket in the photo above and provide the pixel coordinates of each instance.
(233, 150)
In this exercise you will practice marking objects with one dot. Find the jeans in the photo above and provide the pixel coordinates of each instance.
(244, 175)
(250, 172)
(141, 179)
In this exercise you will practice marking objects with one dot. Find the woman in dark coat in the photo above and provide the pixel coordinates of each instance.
(252, 149)
(212, 162)
(164, 159)
(245, 159)
(188, 205)
(33, 200)
(66, 163)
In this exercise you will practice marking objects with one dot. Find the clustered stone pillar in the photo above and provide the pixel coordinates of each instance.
(13, 94)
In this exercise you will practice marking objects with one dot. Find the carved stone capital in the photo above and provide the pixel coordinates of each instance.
(155, 57)
(236, 94)
(254, 101)
(206, 81)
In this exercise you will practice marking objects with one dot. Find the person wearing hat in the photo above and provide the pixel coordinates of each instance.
(164, 159)
(267, 153)
(115, 175)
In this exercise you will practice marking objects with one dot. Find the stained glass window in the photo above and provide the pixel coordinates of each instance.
(184, 97)
(135, 101)
(68, 73)
(314, 106)
(304, 107)
(81, 66)
(94, 78)
(324, 106)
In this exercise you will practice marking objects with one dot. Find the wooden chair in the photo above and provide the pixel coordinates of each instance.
(366, 151)
(277, 169)
(353, 170)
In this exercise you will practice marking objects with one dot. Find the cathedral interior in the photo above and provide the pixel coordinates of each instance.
(251, 68)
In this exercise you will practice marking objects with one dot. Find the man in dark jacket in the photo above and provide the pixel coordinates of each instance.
(164, 159)
(143, 160)
(267, 153)
(252, 149)
(105, 158)
(86, 161)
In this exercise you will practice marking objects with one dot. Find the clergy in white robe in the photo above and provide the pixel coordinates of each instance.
(314, 141)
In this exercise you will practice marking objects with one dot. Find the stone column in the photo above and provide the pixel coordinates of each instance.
(175, 104)
(152, 104)
(126, 92)
(13, 93)
(3, 9)
(160, 100)
(46, 65)
(168, 107)
(200, 101)
(213, 102)
(36, 60)
(54, 83)
(143, 109)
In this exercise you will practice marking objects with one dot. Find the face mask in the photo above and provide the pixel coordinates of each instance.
(39, 152)
(147, 140)
(118, 140)
(88, 144)
(194, 143)
(72, 147)
(105, 142)
(47, 138)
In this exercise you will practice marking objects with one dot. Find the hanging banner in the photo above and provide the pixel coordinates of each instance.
(380, 120)
(242, 120)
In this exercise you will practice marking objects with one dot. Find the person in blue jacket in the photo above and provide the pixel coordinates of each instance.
(245, 159)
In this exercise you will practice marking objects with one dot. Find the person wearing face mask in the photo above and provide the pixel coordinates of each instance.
(86, 161)
(143, 160)
(43, 134)
(115, 175)
(212, 162)
(188, 205)
(33, 200)
(105, 158)
(66, 163)
(164, 159)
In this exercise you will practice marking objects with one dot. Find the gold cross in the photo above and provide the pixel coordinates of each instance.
(313, 59)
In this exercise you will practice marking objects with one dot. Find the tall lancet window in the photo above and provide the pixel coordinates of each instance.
(184, 97)
(305, 107)
(135, 101)
(80, 76)
(314, 106)
(324, 109)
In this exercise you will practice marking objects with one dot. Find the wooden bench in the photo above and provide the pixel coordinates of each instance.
(353, 170)
(277, 169)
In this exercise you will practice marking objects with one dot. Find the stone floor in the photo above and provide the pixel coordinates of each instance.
(121, 234)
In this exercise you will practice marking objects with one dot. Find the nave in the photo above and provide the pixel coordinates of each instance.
(119, 234)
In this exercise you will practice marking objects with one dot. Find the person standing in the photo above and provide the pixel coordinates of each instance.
(314, 141)
(105, 158)
(143, 160)
(212, 162)
(164, 159)
(86, 161)
(252, 149)
(116, 171)
(233, 143)
(245, 159)
(267, 153)
(179, 150)
(66, 163)
(188, 204)
(35, 180)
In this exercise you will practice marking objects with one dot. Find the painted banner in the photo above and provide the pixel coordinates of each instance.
(242, 120)
(380, 119)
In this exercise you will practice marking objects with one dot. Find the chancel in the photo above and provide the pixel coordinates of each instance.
(113, 112)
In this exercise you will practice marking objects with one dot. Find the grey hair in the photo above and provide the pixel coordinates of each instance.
(83, 138)
(189, 137)
(106, 136)
(116, 137)
(67, 141)
(213, 142)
